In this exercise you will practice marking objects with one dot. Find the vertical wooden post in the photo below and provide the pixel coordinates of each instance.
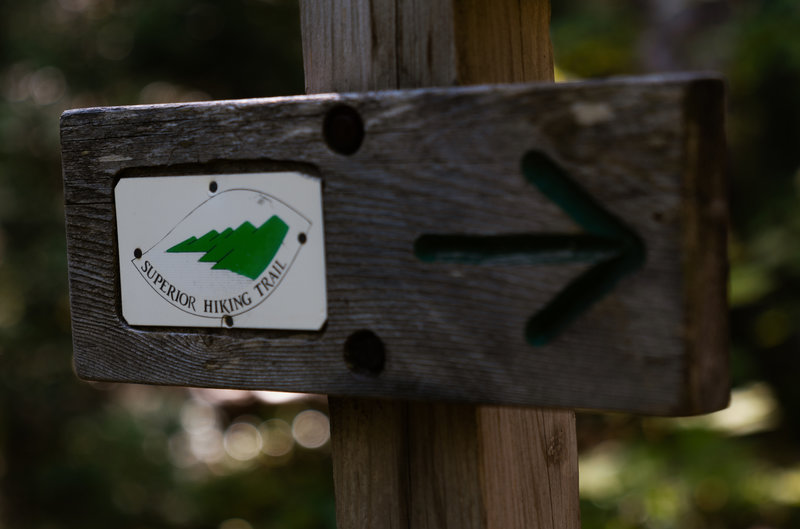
(433, 465)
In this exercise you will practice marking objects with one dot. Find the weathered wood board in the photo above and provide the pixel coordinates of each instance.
(440, 162)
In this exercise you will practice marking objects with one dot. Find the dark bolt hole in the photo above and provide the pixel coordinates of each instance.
(302, 238)
(212, 187)
(343, 129)
(365, 353)
(137, 253)
(228, 320)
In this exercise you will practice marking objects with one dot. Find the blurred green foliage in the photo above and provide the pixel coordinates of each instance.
(713, 474)
(81, 455)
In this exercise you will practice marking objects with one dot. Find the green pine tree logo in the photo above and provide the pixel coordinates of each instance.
(246, 251)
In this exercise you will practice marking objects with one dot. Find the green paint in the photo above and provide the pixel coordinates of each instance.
(517, 249)
(246, 251)
(615, 248)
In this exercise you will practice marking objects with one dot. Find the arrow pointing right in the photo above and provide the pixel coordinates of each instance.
(616, 249)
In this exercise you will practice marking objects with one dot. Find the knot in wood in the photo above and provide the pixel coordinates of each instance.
(556, 448)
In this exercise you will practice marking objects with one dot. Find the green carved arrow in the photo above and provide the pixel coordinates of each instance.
(614, 247)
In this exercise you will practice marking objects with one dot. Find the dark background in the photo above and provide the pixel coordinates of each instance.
(79, 455)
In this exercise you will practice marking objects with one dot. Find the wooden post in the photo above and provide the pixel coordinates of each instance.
(421, 465)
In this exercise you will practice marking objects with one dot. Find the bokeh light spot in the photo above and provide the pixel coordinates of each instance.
(198, 417)
(47, 85)
(311, 429)
(208, 447)
(243, 441)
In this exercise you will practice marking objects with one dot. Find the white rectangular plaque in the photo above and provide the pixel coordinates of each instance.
(232, 250)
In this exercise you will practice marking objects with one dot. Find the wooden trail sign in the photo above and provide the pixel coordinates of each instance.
(556, 245)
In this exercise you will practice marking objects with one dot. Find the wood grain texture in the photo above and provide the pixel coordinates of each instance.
(347, 45)
(382, 44)
(452, 331)
(445, 488)
(529, 468)
(370, 458)
(503, 41)
(378, 44)
(705, 244)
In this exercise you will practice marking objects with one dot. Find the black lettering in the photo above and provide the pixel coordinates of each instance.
(190, 304)
(258, 287)
(235, 302)
(207, 306)
(146, 266)
(223, 305)
(246, 298)
(170, 290)
(280, 266)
